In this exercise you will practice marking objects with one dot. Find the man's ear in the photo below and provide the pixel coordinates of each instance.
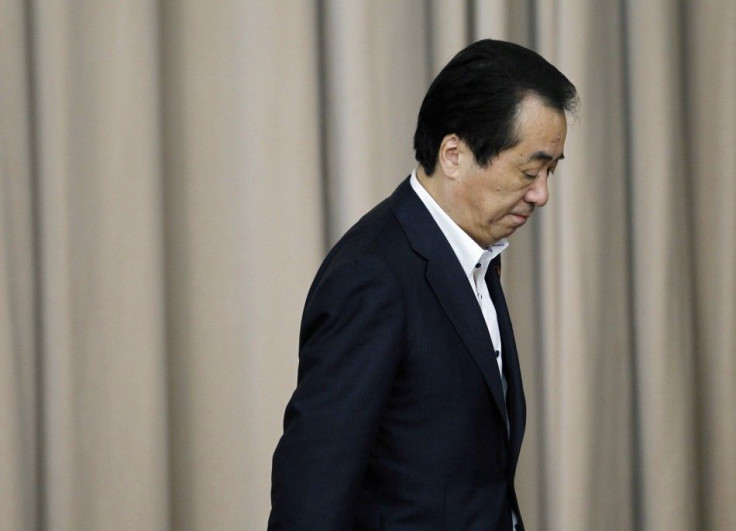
(448, 158)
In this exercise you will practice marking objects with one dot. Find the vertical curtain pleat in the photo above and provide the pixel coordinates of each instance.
(448, 32)
(243, 239)
(662, 257)
(19, 434)
(375, 81)
(491, 19)
(95, 68)
(710, 139)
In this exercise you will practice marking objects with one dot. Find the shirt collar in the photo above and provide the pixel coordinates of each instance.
(468, 252)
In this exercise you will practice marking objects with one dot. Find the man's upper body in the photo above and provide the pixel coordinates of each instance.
(409, 409)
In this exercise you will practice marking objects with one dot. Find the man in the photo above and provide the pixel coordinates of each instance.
(409, 410)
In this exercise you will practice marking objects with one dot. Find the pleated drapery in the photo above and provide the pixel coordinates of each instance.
(173, 172)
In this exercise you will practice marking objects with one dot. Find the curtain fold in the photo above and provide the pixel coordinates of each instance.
(101, 299)
(170, 175)
(243, 238)
(375, 78)
(664, 345)
(708, 88)
(19, 400)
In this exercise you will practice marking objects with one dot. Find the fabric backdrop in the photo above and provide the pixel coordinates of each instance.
(173, 171)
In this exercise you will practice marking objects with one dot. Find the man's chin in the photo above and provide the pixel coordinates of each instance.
(506, 232)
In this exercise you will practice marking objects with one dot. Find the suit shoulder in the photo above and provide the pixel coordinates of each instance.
(377, 234)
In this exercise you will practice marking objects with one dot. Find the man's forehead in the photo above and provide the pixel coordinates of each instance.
(542, 130)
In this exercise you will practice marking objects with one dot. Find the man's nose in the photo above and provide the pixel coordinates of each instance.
(538, 194)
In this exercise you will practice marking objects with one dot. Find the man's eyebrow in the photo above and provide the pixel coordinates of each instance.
(543, 155)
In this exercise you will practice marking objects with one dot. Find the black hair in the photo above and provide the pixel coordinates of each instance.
(477, 96)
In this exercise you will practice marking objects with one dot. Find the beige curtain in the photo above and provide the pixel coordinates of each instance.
(172, 172)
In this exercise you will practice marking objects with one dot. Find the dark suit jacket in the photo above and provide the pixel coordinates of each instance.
(398, 419)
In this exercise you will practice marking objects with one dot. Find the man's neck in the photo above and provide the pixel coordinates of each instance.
(432, 184)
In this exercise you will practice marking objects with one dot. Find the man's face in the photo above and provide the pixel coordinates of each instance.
(491, 203)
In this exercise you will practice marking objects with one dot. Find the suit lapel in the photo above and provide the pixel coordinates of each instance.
(449, 284)
(515, 401)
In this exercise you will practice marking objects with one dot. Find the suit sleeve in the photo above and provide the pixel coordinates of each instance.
(351, 343)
